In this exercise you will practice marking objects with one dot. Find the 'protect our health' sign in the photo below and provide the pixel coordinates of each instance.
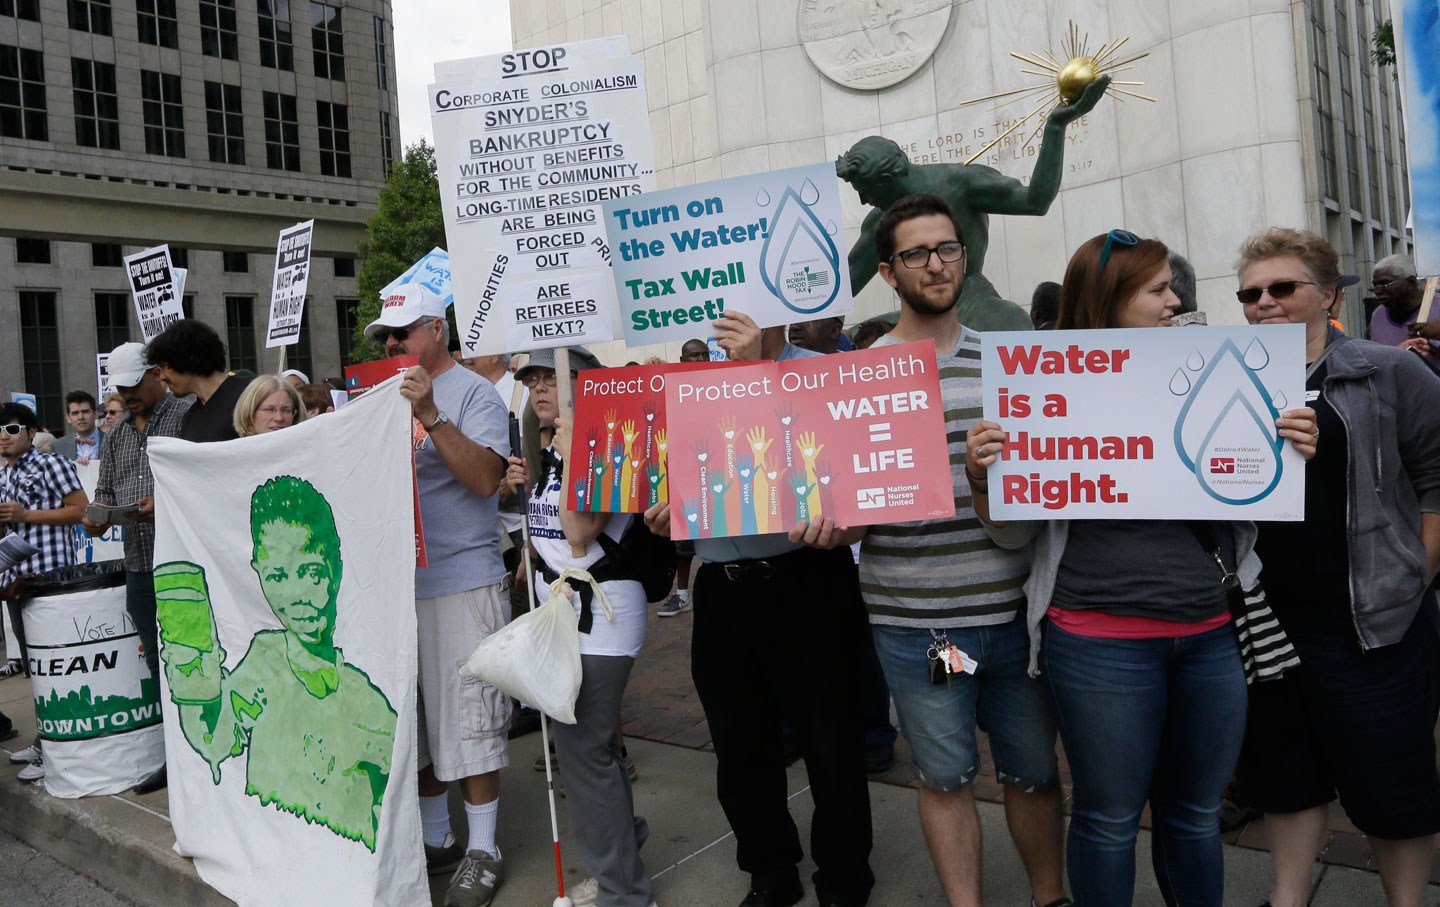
(1146, 423)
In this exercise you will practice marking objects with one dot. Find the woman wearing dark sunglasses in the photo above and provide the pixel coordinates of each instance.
(1350, 587)
(1130, 623)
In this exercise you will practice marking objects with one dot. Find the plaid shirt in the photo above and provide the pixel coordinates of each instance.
(40, 481)
(125, 473)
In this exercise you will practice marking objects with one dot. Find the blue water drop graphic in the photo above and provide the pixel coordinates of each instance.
(1256, 356)
(830, 227)
(1237, 462)
(1195, 361)
(762, 198)
(1212, 393)
(1180, 383)
(799, 262)
(808, 193)
(1279, 401)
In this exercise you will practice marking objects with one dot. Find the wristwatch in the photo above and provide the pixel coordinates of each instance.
(439, 421)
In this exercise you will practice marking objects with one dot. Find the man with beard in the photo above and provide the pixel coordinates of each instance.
(942, 586)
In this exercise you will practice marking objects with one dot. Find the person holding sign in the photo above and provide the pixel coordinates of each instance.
(945, 601)
(1350, 587)
(1138, 646)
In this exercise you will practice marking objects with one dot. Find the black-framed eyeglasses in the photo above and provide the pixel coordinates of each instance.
(13, 429)
(919, 257)
(1114, 238)
(1280, 289)
(400, 334)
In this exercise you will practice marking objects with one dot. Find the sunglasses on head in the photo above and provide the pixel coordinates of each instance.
(13, 429)
(1113, 238)
(1277, 290)
(400, 334)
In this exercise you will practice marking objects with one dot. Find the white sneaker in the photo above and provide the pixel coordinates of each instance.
(34, 771)
(585, 893)
(28, 754)
(675, 604)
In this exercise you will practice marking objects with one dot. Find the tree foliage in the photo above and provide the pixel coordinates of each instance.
(407, 225)
(1384, 40)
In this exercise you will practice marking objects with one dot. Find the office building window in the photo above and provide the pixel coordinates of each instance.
(282, 132)
(97, 106)
(387, 145)
(240, 330)
(382, 69)
(235, 262)
(29, 251)
(164, 113)
(106, 255)
(21, 9)
(344, 267)
(218, 34)
(277, 46)
(112, 320)
(334, 138)
(328, 42)
(40, 343)
(187, 305)
(347, 318)
(157, 22)
(22, 94)
(90, 15)
(224, 123)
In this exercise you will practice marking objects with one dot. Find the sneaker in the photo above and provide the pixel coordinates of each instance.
(443, 859)
(476, 881)
(34, 771)
(28, 754)
(12, 667)
(675, 604)
(585, 893)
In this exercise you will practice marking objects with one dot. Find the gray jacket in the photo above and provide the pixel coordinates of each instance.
(1050, 537)
(1390, 404)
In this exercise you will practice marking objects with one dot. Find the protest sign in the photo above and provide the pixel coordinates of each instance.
(861, 439)
(111, 545)
(766, 244)
(287, 292)
(432, 272)
(621, 438)
(25, 400)
(284, 596)
(527, 145)
(102, 377)
(1143, 423)
(361, 378)
(154, 291)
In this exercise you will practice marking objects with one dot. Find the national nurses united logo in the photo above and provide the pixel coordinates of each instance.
(1225, 433)
(800, 261)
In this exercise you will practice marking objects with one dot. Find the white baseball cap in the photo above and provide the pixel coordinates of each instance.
(405, 306)
(127, 364)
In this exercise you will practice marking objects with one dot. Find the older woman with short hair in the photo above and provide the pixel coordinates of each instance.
(268, 403)
(1350, 586)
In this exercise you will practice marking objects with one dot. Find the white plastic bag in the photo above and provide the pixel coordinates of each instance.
(536, 657)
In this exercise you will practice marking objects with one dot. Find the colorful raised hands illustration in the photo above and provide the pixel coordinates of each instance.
(809, 450)
(823, 477)
(617, 457)
(802, 489)
(745, 468)
(656, 479)
(719, 488)
(690, 509)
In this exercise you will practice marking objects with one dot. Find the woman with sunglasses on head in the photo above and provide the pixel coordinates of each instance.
(267, 404)
(1138, 644)
(1349, 586)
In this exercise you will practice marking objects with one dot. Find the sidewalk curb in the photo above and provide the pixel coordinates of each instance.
(79, 835)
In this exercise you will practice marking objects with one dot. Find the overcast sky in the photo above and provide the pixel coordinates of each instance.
(431, 30)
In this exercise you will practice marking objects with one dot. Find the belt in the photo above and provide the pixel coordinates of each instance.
(758, 569)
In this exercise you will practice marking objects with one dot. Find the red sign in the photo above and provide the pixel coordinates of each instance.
(858, 437)
(359, 379)
(1222, 464)
(620, 437)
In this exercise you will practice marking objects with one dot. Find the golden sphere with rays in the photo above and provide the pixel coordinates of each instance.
(1075, 77)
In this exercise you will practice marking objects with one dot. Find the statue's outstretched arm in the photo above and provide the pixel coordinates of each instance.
(864, 264)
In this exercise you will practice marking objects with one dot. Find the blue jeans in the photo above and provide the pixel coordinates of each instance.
(140, 602)
(1156, 719)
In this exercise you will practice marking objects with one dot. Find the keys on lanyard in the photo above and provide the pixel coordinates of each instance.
(945, 658)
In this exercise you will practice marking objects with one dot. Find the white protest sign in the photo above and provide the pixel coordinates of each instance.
(432, 272)
(152, 287)
(1145, 423)
(287, 293)
(25, 399)
(102, 377)
(527, 145)
(111, 545)
(288, 657)
(768, 244)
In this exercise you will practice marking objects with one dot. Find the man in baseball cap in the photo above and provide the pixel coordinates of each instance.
(403, 310)
(151, 412)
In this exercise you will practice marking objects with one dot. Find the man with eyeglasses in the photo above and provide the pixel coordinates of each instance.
(40, 499)
(1400, 295)
(151, 412)
(462, 442)
(191, 359)
(943, 586)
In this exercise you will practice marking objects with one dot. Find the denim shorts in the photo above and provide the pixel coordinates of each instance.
(1000, 698)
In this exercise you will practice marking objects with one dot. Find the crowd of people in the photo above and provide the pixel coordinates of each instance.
(1140, 647)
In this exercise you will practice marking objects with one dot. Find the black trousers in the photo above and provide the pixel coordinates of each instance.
(784, 639)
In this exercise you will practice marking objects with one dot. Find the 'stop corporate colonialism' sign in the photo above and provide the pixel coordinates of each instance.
(527, 145)
(766, 244)
(1146, 423)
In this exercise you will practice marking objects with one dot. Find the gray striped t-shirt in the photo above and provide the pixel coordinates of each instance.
(946, 572)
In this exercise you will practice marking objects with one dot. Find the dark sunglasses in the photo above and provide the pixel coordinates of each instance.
(1280, 289)
(1122, 237)
(399, 333)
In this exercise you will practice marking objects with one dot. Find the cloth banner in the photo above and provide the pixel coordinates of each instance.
(284, 585)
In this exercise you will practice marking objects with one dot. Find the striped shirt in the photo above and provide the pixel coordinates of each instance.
(947, 572)
(40, 481)
(125, 473)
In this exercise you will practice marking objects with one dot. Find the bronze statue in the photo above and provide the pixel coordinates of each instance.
(882, 173)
